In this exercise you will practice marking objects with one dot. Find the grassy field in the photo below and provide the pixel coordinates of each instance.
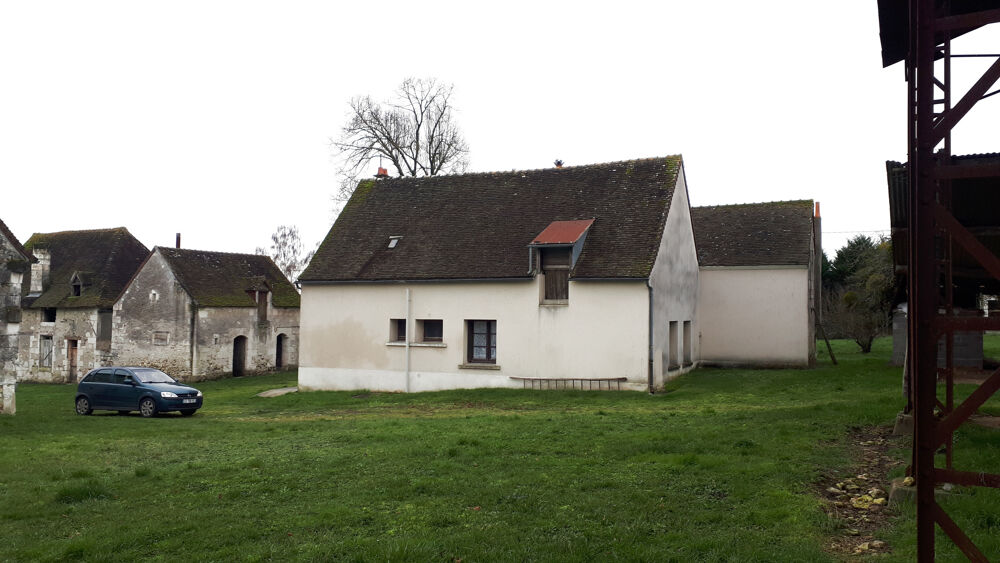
(722, 467)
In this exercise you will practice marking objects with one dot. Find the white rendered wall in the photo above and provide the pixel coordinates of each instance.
(754, 316)
(675, 288)
(345, 329)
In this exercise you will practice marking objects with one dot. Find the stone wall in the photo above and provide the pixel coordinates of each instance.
(217, 331)
(155, 322)
(152, 321)
(13, 268)
(79, 326)
(8, 386)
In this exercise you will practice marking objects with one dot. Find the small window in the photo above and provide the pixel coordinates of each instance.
(397, 330)
(161, 338)
(555, 263)
(394, 240)
(687, 343)
(672, 345)
(45, 352)
(431, 330)
(482, 346)
(49, 315)
(154, 296)
(77, 288)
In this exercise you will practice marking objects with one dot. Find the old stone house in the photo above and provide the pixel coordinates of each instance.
(15, 267)
(759, 283)
(67, 310)
(196, 314)
(582, 275)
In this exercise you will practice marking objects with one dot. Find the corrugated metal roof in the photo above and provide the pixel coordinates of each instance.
(563, 232)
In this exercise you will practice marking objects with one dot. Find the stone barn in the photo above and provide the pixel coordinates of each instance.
(197, 314)
(66, 315)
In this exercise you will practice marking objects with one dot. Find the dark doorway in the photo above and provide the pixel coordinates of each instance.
(71, 355)
(239, 356)
(279, 353)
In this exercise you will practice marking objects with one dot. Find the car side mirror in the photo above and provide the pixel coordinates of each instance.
(129, 380)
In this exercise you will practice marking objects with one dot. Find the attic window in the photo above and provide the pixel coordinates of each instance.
(77, 285)
(394, 240)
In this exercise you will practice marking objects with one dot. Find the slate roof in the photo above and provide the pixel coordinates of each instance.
(105, 259)
(221, 279)
(14, 242)
(754, 234)
(479, 226)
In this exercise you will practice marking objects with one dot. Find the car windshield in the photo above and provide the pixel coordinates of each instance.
(152, 376)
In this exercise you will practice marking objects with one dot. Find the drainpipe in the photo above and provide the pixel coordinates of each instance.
(408, 336)
(649, 369)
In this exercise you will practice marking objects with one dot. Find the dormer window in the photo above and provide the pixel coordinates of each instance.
(76, 285)
(553, 255)
(394, 240)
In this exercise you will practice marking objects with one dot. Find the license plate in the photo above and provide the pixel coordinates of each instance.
(189, 400)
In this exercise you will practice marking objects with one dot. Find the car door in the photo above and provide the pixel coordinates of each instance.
(101, 390)
(128, 393)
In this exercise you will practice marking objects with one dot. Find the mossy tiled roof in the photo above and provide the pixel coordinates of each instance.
(5, 232)
(777, 233)
(106, 259)
(221, 279)
(479, 226)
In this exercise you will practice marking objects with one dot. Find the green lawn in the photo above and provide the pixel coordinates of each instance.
(722, 467)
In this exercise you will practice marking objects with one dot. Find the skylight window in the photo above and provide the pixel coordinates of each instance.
(394, 240)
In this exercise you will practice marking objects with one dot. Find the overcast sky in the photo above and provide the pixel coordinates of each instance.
(214, 119)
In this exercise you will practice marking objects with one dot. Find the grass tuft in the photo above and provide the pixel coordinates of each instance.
(90, 490)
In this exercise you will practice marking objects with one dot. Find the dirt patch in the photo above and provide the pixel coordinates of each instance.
(857, 501)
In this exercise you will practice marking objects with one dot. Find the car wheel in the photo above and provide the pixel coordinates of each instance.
(83, 406)
(147, 407)
(189, 412)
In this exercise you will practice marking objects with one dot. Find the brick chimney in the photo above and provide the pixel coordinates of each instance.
(382, 173)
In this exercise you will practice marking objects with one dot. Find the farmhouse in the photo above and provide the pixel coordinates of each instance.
(195, 314)
(556, 277)
(65, 328)
(759, 283)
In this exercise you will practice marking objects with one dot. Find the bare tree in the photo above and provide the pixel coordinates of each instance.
(286, 251)
(414, 133)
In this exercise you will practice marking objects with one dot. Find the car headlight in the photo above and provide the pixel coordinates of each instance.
(168, 395)
(199, 393)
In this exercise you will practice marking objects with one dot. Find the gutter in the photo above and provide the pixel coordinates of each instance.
(649, 369)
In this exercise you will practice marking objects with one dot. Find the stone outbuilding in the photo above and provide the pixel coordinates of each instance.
(197, 314)
(15, 268)
(759, 283)
(66, 317)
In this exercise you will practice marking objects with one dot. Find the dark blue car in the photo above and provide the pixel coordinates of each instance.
(125, 389)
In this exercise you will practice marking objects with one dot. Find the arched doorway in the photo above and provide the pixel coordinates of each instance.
(239, 356)
(279, 353)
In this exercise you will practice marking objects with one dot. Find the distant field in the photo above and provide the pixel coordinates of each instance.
(723, 467)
